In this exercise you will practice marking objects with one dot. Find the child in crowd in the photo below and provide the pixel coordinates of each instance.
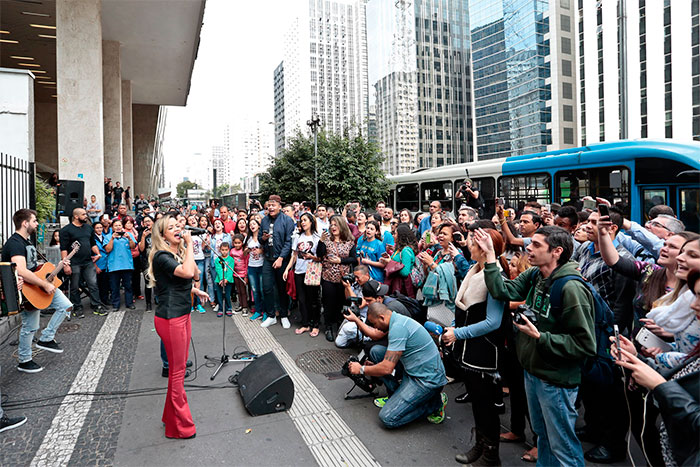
(241, 278)
(224, 280)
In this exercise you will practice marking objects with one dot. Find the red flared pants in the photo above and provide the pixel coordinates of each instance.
(176, 334)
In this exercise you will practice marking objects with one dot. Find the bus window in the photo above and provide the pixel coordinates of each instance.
(611, 183)
(519, 189)
(487, 191)
(688, 208)
(407, 197)
(437, 191)
(653, 197)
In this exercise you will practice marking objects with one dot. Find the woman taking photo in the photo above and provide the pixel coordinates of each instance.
(255, 265)
(337, 251)
(405, 254)
(430, 236)
(370, 250)
(304, 248)
(445, 252)
(479, 317)
(172, 269)
(120, 264)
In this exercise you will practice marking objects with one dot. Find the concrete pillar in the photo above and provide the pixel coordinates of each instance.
(79, 82)
(17, 113)
(112, 116)
(145, 126)
(46, 139)
(127, 138)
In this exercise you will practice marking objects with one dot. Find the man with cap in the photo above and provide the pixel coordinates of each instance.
(276, 239)
(410, 366)
(371, 291)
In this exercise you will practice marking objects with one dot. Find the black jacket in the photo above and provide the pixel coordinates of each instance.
(680, 411)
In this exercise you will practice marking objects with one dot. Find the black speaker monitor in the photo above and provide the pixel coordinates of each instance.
(70, 196)
(265, 386)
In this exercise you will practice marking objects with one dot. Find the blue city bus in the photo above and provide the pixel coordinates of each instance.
(634, 175)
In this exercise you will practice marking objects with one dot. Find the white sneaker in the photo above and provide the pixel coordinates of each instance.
(269, 321)
(285, 323)
(236, 311)
(216, 307)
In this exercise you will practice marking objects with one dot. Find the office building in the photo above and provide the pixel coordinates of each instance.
(419, 68)
(324, 69)
(279, 108)
(656, 91)
(524, 76)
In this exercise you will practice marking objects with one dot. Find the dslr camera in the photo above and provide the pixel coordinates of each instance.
(350, 279)
(354, 306)
(524, 310)
(361, 381)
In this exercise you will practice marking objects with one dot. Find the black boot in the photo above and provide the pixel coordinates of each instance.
(474, 453)
(490, 454)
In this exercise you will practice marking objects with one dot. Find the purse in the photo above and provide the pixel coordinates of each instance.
(440, 314)
(313, 274)
(392, 267)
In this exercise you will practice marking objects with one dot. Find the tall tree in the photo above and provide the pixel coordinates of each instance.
(183, 186)
(349, 168)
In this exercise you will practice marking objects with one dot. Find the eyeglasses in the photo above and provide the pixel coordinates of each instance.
(394, 223)
(657, 224)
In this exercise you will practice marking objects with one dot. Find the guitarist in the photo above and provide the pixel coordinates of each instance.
(82, 265)
(20, 251)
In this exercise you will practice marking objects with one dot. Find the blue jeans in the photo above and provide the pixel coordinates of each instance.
(255, 282)
(205, 275)
(409, 399)
(116, 278)
(223, 296)
(553, 415)
(30, 325)
(202, 278)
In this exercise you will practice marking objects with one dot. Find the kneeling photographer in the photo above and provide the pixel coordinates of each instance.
(352, 284)
(410, 367)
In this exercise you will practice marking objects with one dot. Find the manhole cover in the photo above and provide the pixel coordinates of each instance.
(322, 361)
(68, 327)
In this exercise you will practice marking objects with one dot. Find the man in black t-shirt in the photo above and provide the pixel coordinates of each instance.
(19, 250)
(118, 192)
(82, 265)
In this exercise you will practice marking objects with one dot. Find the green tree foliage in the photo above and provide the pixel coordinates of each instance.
(183, 186)
(349, 168)
(222, 190)
(45, 200)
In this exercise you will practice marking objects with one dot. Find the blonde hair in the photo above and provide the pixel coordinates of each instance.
(158, 243)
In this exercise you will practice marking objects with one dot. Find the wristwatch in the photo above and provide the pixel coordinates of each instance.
(362, 370)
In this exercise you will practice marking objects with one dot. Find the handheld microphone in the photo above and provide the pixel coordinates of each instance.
(195, 230)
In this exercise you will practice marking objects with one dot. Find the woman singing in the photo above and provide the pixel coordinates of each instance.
(172, 269)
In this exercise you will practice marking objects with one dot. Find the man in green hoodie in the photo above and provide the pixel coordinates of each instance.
(552, 350)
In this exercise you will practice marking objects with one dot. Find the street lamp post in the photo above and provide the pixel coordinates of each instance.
(314, 123)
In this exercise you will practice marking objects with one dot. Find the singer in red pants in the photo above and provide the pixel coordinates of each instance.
(172, 270)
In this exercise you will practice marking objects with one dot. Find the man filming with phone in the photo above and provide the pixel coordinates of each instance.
(470, 196)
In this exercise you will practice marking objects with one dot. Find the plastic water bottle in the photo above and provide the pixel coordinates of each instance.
(433, 328)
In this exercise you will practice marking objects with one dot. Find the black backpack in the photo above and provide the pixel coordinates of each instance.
(415, 309)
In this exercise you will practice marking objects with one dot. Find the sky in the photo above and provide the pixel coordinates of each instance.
(241, 43)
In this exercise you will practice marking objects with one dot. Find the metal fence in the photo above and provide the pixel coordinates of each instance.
(16, 191)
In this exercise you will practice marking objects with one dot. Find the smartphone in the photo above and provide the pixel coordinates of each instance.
(589, 204)
(616, 330)
(427, 237)
(603, 210)
(500, 201)
(547, 208)
(457, 237)
(385, 255)
(508, 213)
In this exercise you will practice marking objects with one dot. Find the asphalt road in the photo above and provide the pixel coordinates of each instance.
(124, 428)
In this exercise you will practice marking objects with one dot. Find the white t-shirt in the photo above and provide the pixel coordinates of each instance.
(322, 226)
(304, 244)
(254, 260)
(197, 247)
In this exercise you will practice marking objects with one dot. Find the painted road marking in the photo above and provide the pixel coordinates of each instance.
(328, 437)
(59, 442)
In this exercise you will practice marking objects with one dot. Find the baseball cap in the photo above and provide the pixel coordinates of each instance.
(374, 288)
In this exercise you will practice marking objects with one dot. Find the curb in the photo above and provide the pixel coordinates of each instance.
(7, 324)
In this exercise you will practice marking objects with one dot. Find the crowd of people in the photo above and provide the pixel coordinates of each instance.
(556, 307)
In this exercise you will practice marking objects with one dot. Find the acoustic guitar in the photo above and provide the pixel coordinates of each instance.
(35, 294)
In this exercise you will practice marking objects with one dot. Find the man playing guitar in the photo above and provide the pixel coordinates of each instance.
(20, 251)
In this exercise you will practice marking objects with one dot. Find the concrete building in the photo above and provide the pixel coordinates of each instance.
(419, 66)
(656, 91)
(100, 72)
(324, 69)
(221, 161)
(255, 147)
(524, 76)
(279, 108)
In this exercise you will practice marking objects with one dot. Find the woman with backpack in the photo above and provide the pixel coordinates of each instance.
(398, 267)
(475, 341)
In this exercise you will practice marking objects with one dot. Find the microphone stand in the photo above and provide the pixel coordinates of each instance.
(224, 359)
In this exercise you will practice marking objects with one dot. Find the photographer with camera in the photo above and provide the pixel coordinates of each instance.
(470, 196)
(552, 350)
(352, 286)
(419, 375)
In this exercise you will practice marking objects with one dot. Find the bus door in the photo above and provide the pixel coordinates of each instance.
(687, 206)
(653, 196)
